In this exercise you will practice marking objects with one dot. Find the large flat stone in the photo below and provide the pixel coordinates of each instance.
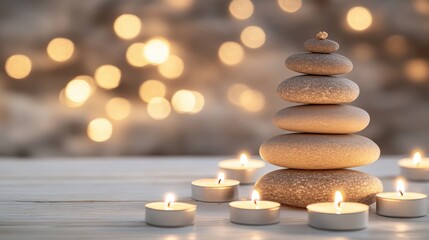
(319, 63)
(318, 90)
(331, 119)
(319, 151)
(299, 188)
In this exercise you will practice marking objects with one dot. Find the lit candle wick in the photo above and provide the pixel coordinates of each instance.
(219, 180)
(255, 197)
(169, 201)
(243, 160)
(400, 192)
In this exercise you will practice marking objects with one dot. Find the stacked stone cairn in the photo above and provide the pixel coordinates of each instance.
(324, 143)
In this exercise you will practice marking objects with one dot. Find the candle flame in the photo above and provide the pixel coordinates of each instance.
(338, 201)
(169, 201)
(400, 188)
(243, 159)
(220, 178)
(255, 197)
(417, 158)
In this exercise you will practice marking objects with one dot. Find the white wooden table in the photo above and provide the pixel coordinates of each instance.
(104, 199)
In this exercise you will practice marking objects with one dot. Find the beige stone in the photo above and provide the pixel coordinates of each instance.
(319, 63)
(299, 188)
(331, 119)
(319, 151)
(321, 45)
(318, 89)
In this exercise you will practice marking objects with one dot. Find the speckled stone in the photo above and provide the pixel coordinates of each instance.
(321, 45)
(332, 119)
(318, 89)
(299, 188)
(319, 151)
(319, 63)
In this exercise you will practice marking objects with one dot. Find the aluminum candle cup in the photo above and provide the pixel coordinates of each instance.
(338, 215)
(245, 170)
(416, 168)
(170, 214)
(401, 203)
(255, 211)
(215, 190)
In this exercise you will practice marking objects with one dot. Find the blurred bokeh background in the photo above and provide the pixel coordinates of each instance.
(188, 77)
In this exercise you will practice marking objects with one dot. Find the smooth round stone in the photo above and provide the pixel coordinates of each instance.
(319, 63)
(333, 119)
(321, 45)
(299, 188)
(319, 151)
(318, 90)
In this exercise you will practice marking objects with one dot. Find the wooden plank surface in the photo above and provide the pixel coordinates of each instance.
(103, 198)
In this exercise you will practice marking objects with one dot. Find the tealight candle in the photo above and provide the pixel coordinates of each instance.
(170, 213)
(254, 212)
(415, 168)
(245, 170)
(215, 190)
(338, 215)
(401, 203)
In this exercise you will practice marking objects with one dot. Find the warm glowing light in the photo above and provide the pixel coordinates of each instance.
(89, 80)
(118, 108)
(183, 101)
(156, 50)
(158, 108)
(421, 6)
(400, 187)
(77, 90)
(169, 201)
(199, 102)
(338, 201)
(290, 6)
(235, 91)
(231, 53)
(253, 37)
(417, 158)
(241, 9)
(127, 26)
(107, 76)
(243, 159)
(150, 89)
(67, 102)
(220, 178)
(179, 4)
(396, 45)
(60, 49)
(100, 130)
(252, 100)
(135, 55)
(255, 197)
(18, 66)
(417, 70)
(359, 18)
(172, 68)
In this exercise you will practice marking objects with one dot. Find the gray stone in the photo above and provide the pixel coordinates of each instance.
(319, 63)
(321, 45)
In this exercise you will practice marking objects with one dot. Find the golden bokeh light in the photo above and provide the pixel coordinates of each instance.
(231, 53)
(253, 37)
(60, 49)
(90, 80)
(99, 130)
(180, 4)
(235, 91)
(421, 6)
(77, 91)
(183, 101)
(359, 18)
(252, 100)
(135, 55)
(396, 46)
(151, 89)
(199, 102)
(172, 68)
(417, 70)
(65, 101)
(290, 6)
(118, 108)
(18, 66)
(127, 26)
(107, 76)
(157, 50)
(241, 9)
(159, 108)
